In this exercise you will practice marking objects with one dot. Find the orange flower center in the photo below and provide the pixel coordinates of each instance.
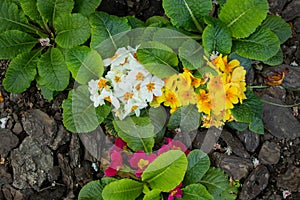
(127, 96)
(143, 163)
(140, 76)
(102, 83)
(150, 86)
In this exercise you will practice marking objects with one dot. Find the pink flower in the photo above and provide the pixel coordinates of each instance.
(119, 145)
(139, 161)
(176, 192)
(173, 145)
(115, 164)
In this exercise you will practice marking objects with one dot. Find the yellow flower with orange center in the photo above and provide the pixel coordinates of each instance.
(171, 99)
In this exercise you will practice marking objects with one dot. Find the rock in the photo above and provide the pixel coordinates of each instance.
(61, 138)
(67, 174)
(269, 153)
(30, 163)
(84, 173)
(280, 121)
(74, 152)
(206, 140)
(11, 193)
(8, 142)
(17, 128)
(5, 177)
(290, 180)
(56, 193)
(291, 11)
(234, 166)
(40, 126)
(276, 6)
(235, 144)
(53, 174)
(256, 182)
(297, 25)
(250, 140)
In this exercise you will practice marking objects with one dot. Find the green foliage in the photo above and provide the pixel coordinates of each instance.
(243, 17)
(196, 192)
(80, 115)
(138, 132)
(216, 37)
(48, 27)
(166, 171)
(155, 55)
(91, 191)
(122, 189)
(187, 14)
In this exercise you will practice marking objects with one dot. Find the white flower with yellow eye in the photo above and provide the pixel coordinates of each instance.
(151, 87)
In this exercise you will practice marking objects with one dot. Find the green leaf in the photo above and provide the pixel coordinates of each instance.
(123, 189)
(243, 17)
(11, 18)
(166, 171)
(85, 64)
(72, 30)
(79, 113)
(278, 26)
(47, 93)
(91, 191)
(86, 7)
(157, 21)
(196, 192)
(261, 45)
(187, 13)
(158, 58)
(185, 117)
(216, 37)
(108, 33)
(14, 42)
(158, 117)
(152, 195)
(217, 184)
(242, 113)
(239, 126)
(198, 164)
(30, 9)
(53, 70)
(20, 72)
(275, 60)
(51, 9)
(135, 22)
(138, 132)
(191, 55)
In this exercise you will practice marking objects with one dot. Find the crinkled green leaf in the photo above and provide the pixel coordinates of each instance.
(243, 17)
(86, 7)
(187, 118)
(166, 171)
(217, 184)
(30, 9)
(196, 192)
(14, 42)
(71, 30)
(242, 113)
(158, 117)
(245, 62)
(158, 58)
(53, 70)
(135, 22)
(51, 9)
(84, 63)
(47, 93)
(108, 33)
(152, 195)
(239, 126)
(191, 55)
(261, 45)
(187, 14)
(138, 132)
(122, 189)
(278, 26)
(198, 164)
(21, 71)
(275, 60)
(157, 21)
(216, 37)
(79, 113)
(11, 18)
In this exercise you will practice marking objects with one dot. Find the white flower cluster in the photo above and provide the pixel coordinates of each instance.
(127, 85)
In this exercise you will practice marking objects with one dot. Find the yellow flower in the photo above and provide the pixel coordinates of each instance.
(203, 102)
(187, 97)
(231, 96)
(238, 75)
(171, 99)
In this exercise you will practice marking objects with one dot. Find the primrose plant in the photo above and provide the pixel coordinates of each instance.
(36, 34)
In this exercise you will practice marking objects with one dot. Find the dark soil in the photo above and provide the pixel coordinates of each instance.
(41, 160)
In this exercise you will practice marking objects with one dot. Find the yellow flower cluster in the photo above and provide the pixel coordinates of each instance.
(214, 94)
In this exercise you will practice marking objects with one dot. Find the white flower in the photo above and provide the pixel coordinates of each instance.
(45, 42)
(93, 87)
(286, 193)
(151, 87)
(117, 59)
(3, 122)
(134, 105)
(228, 150)
(255, 162)
(217, 146)
(213, 55)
